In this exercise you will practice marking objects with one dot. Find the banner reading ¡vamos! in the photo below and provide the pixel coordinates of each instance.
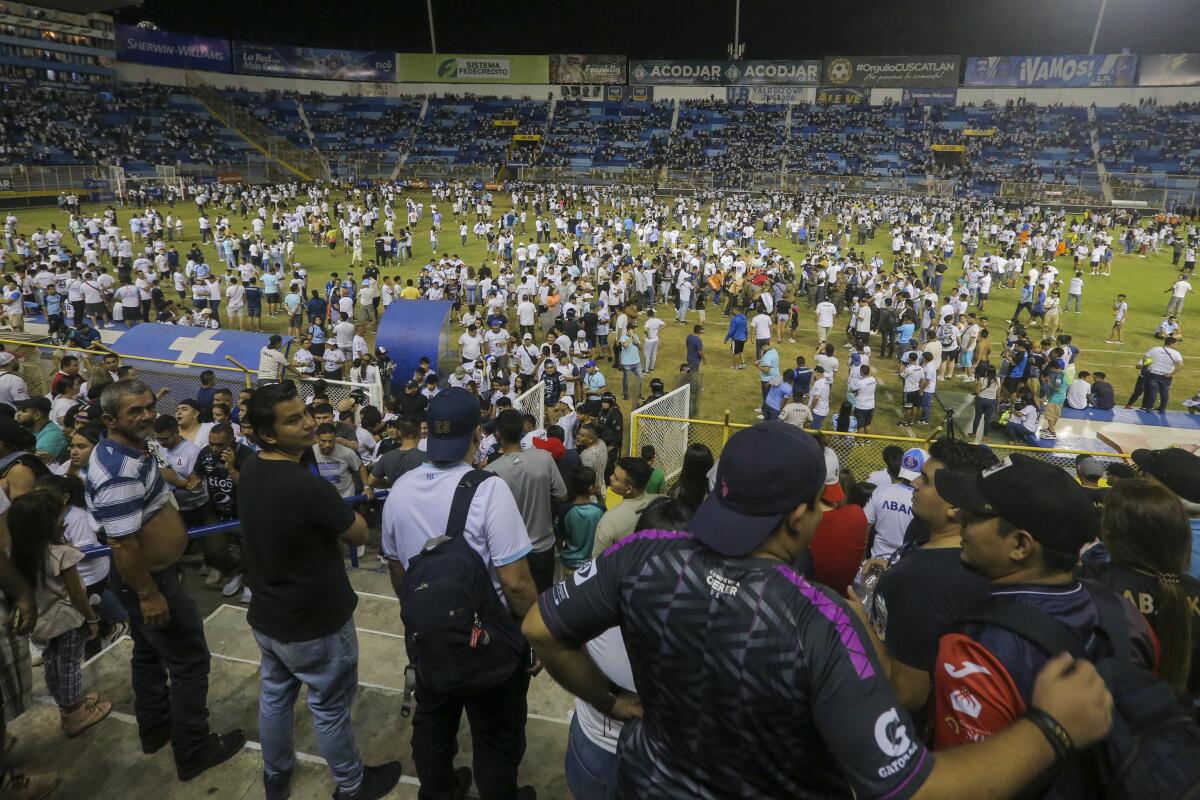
(463, 68)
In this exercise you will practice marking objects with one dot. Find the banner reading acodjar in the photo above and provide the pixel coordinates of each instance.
(891, 71)
(761, 72)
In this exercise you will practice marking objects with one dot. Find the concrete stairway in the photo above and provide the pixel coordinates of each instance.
(106, 762)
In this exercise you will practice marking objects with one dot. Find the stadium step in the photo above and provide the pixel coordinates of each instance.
(107, 762)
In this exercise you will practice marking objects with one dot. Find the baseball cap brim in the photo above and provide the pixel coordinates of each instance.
(962, 490)
(730, 533)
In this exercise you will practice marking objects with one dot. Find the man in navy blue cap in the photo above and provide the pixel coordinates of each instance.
(751, 680)
(416, 511)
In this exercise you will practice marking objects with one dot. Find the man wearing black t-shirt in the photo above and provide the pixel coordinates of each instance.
(752, 681)
(219, 466)
(922, 594)
(302, 610)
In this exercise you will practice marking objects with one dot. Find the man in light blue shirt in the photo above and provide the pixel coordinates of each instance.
(631, 365)
(768, 372)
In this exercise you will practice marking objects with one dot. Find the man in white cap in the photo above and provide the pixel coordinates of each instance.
(890, 509)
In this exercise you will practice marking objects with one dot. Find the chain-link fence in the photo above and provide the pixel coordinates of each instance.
(658, 424)
(39, 362)
(337, 391)
(862, 454)
(533, 401)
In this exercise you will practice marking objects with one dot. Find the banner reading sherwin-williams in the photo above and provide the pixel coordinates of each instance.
(314, 62)
(725, 73)
(165, 49)
(1052, 71)
(930, 97)
(460, 68)
(569, 68)
(1169, 69)
(891, 71)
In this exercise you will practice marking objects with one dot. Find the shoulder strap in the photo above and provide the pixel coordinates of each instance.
(1030, 623)
(1113, 623)
(460, 506)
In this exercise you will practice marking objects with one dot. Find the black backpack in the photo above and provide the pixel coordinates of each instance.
(1152, 750)
(460, 638)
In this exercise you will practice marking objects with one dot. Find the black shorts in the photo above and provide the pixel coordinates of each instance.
(96, 309)
(1012, 384)
(131, 313)
(864, 416)
(912, 399)
(738, 346)
(272, 298)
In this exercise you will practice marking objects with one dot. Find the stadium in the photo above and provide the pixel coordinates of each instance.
(917, 253)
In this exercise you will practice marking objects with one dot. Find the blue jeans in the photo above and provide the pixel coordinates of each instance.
(636, 371)
(1018, 431)
(329, 668)
(817, 421)
(926, 405)
(591, 770)
(1158, 388)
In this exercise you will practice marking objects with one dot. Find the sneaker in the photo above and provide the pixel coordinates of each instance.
(214, 579)
(88, 714)
(245, 596)
(377, 781)
(233, 586)
(19, 786)
(793, 341)
(218, 750)
(35, 654)
(279, 787)
(119, 630)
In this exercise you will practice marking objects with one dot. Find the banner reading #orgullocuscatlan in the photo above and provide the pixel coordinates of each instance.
(891, 71)
(465, 68)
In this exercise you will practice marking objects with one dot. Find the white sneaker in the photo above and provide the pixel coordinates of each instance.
(119, 630)
(231, 588)
(215, 578)
(245, 595)
(35, 654)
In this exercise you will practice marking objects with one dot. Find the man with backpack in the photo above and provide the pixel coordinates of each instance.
(455, 539)
(1023, 524)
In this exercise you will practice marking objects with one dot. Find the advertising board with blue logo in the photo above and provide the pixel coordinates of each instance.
(166, 49)
(1052, 71)
(317, 63)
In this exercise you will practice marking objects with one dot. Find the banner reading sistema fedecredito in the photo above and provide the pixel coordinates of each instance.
(895, 72)
(1118, 69)
(468, 68)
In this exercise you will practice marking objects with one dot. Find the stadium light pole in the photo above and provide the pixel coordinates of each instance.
(737, 24)
(432, 37)
(1096, 30)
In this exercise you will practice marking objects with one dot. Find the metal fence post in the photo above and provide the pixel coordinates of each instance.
(725, 430)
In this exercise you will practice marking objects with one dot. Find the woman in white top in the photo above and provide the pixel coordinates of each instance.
(303, 359)
(67, 398)
(986, 386)
(188, 414)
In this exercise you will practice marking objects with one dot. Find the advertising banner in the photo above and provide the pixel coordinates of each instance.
(948, 148)
(843, 96)
(640, 94)
(318, 63)
(1052, 71)
(894, 72)
(930, 97)
(725, 73)
(571, 68)
(1169, 69)
(781, 95)
(179, 50)
(461, 68)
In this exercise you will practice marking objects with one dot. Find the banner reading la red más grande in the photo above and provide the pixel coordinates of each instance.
(1052, 71)
(463, 68)
(724, 73)
(313, 62)
(891, 71)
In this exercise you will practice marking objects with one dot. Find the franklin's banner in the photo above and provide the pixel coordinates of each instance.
(570, 68)
(725, 73)
(1169, 69)
(1053, 72)
(313, 62)
(891, 71)
(463, 68)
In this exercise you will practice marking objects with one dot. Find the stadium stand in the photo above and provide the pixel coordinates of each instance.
(607, 134)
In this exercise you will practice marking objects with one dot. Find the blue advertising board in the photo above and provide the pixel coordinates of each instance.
(412, 329)
(179, 50)
(193, 345)
(318, 63)
(930, 97)
(1052, 71)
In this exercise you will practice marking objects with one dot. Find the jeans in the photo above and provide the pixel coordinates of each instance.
(926, 405)
(591, 770)
(328, 667)
(651, 354)
(1077, 298)
(636, 371)
(985, 409)
(1157, 385)
(497, 718)
(169, 667)
(817, 421)
(1019, 432)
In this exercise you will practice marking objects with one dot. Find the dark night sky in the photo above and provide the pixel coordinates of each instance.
(696, 28)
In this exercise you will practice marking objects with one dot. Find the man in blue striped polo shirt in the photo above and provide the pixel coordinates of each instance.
(127, 495)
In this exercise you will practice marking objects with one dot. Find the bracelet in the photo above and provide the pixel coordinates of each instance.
(92, 621)
(1055, 733)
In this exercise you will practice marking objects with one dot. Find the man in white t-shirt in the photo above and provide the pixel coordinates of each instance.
(1161, 364)
(652, 326)
(889, 511)
(1179, 291)
(470, 344)
(415, 512)
(818, 397)
(760, 326)
(825, 312)
(235, 304)
(864, 399)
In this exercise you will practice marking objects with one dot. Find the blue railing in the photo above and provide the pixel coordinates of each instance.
(100, 551)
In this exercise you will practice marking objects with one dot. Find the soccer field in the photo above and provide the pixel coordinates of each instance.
(1144, 280)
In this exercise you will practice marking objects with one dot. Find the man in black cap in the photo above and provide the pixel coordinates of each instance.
(750, 679)
(1179, 471)
(1023, 524)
